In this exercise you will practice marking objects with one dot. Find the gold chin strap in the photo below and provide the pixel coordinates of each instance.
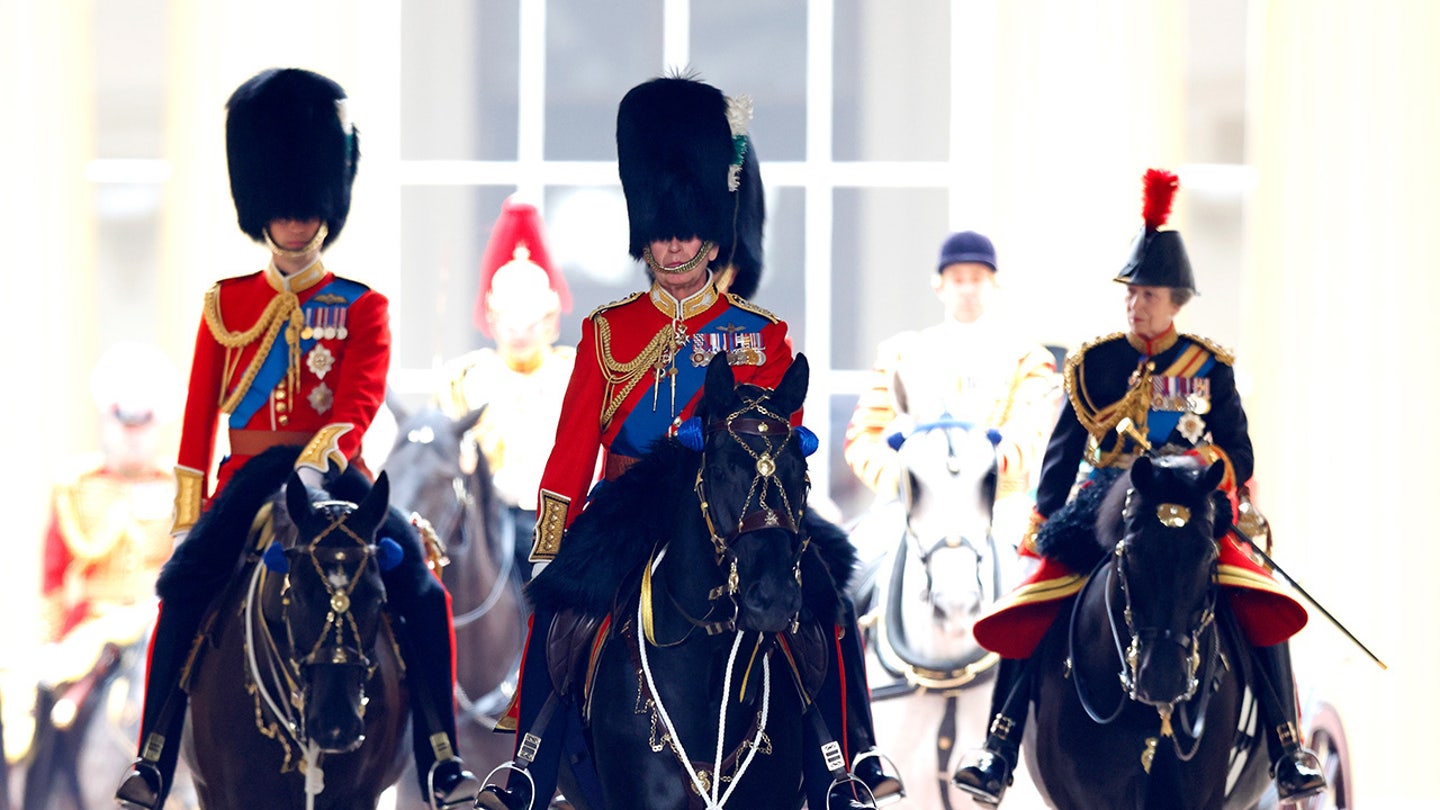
(701, 256)
(299, 253)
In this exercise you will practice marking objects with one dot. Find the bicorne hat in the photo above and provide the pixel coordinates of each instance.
(688, 169)
(291, 151)
(1158, 258)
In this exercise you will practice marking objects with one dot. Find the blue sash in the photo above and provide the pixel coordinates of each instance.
(273, 368)
(733, 330)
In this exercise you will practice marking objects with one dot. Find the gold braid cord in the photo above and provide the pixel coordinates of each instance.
(282, 311)
(621, 378)
(1099, 421)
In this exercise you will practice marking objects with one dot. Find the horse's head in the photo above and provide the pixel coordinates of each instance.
(435, 470)
(333, 606)
(752, 485)
(948, 483)
(1166, 562)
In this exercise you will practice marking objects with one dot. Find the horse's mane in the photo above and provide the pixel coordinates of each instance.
(1087, 528)
(628, 518)
(216, 543)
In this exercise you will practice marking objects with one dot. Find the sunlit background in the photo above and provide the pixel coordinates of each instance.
(1306, 134)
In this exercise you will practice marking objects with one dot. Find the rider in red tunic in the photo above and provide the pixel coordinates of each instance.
(1151, 389)
(692, 188)
(290, 355)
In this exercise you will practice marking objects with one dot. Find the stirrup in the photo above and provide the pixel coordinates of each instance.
(143, 771)
(850, 778)
(889, 773)
(509, 765)
(439, 803)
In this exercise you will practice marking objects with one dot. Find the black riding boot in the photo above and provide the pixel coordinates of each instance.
(868, 765)
(534, 769)
(147, 782)
(986, 772)
(425, 641)
(1296, 769)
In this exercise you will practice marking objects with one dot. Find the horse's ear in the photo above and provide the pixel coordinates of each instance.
(1142, 474)
(1213, 475)
(392, 401)
(719, 385)
(469, 420)
(371, 511)
(297, 498)
(790, 393)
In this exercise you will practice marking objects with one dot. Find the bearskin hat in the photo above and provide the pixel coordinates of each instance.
(1158, 258)
(291, 150)
(518, 236)
(689, 169)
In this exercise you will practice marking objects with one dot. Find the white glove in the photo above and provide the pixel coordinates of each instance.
(179, 537)
(537, 567)
(311, 477)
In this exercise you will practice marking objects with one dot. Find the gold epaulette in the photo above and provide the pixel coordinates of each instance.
(613, 304)
(737, 301)
(1221, 353)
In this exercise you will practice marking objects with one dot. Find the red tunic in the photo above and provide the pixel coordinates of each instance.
(614, 402)
(324, 365)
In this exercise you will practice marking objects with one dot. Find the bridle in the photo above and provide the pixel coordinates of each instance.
(766, 506)
(1193, 639)
(331, 647)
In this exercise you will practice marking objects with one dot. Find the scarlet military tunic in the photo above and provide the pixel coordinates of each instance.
(291, 360)
(639, 370)
(1178, 393)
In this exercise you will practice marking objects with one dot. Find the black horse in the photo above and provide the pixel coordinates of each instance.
(296, 696)
(1140, 695)
(439, 476)
(717, 584)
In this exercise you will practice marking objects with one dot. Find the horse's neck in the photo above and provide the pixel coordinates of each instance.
(682, 579)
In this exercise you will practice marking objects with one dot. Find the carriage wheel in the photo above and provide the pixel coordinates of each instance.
(1327, 740)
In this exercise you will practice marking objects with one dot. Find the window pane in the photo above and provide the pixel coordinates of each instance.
(589, 238)
(885, 243)
(892, 80)
(129, 78)
(127, 258)
(770, 68)
(594, 53)
(782, 286)
(459, 80)
(443, 232)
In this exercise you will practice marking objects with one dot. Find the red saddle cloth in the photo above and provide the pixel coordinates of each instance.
(1017, 622)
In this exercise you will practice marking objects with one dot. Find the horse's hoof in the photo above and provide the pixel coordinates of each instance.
(453, 784)
(493, 797)
(141, 786)
(985, 777)
(1298, 775)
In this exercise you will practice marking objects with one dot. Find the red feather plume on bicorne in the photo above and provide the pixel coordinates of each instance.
(1160, 188)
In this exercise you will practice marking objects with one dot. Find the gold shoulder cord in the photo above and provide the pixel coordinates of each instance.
(625, 375)
(1135, 405)
(1221, 353)
(745, 304)
(283, 310)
